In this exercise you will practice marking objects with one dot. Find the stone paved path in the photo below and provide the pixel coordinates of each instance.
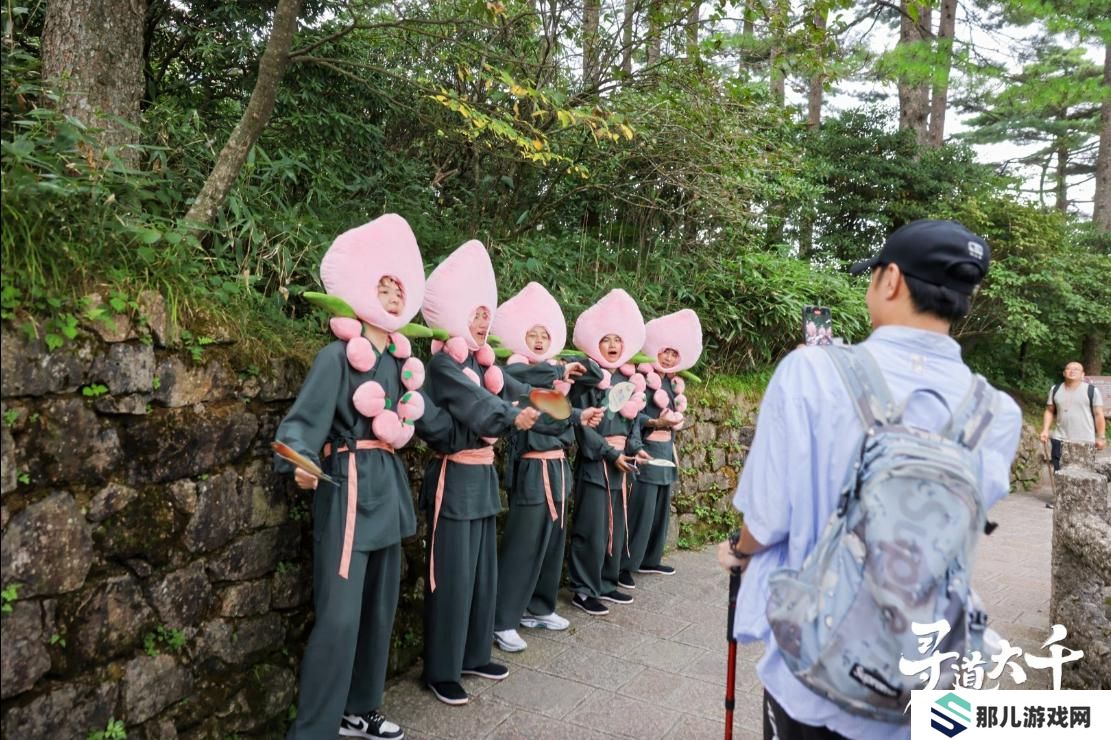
(656, 668)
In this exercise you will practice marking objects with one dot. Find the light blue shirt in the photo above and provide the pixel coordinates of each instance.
(807, 437)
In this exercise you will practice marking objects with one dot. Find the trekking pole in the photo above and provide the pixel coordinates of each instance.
(1049, 464)
(731, 665)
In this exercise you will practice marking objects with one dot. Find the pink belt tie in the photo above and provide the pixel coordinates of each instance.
(480, 456)
(551, 455)
(353, 496)
(617, 442)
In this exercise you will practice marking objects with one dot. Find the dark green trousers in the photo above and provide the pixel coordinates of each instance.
(594, 568)
(459, 614)
(649, 512)
(353, 622)
(530, 563)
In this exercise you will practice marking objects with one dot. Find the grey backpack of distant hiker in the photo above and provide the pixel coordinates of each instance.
(897, 551)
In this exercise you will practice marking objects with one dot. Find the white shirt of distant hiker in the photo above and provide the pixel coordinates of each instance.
(1075, 416)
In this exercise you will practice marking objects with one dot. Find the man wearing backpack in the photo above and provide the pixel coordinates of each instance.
(1077, 407)
(806, 453)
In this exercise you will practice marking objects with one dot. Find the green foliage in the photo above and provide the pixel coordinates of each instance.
(95, 390)
(11, 416)
(163, 637)
(114, 730)
(9, 596)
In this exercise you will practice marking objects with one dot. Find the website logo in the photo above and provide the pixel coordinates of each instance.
(950, 715)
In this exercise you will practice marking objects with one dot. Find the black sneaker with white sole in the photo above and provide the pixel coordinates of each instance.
(449, 692)
(660, 570)
(625, 580)
(370, 726)
(492, 671)
(589, 604)
(617, 597)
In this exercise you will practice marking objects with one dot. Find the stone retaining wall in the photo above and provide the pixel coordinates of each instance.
(1081, 595)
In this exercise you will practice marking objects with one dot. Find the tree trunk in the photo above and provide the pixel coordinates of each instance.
(654, 41)
(93, 52)
(271, 69)
(817, 80)
(1091, 354)
(777, 79)
(591, 11)
(692, 32)
(748, 34)
(914, 94)
(1060, 181)
(1101, 208)
(946, 28)
(627, 37)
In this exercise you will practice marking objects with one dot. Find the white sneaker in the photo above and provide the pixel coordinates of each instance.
(510, 641)
(549, 622)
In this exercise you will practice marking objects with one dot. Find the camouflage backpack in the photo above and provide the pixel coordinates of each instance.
(898, 550)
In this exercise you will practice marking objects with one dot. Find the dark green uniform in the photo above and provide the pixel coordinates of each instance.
(596, 549)
(353, 615)
(650, 503)
(530, 561)
(459, 614)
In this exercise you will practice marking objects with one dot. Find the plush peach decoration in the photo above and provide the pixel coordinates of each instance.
(400, 346)
(678, 385)
(456, 347)
(630, 409)
(493, 379)
(660, 399)
(533, 306)
(680, 331)
(386, 426)
(562, 386)
(641, 400)
(359, 258)
(681, 403)
(404, 434)
(369, 399)
(653, 380)
(637, 380)
(360, 354)
(616, 313)
(345, 328)
(629, 370)
(457, 287)
(412, 374)
(607, 380)
(644, 368)
(436, 345)
(516, 359)
(485, 355)
(489, 440)
(411, 406)
(472, 375)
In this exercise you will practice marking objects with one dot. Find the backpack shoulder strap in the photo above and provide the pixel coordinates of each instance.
(973, 415)
(864, 381)
(1053, 396)
(1092, 398)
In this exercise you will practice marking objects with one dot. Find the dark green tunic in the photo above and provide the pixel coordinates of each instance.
(459, 614)
(650, 504)
(530, 561)
(594, 566)
(353, 615)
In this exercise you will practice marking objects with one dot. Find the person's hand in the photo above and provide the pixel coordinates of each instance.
(1101, 443)
(728, 559)
(526, 419)
(305, 481)
(625, 464)
(591, 417)
(642, 457)
(573, 370)
(1044, 436)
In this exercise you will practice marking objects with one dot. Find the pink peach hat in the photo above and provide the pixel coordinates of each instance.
(534, 305)
(680, 331)
(616, 313)
(359, 258)
(457, 287)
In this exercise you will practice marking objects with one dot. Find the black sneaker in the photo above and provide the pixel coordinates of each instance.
(492, 671)
(617, 597)
(1049, 506)
(449, 692)
(660, 570)
(625, 580)
(589, 604)
(371, 726)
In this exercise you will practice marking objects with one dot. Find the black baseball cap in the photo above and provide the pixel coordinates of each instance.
(928, 250)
